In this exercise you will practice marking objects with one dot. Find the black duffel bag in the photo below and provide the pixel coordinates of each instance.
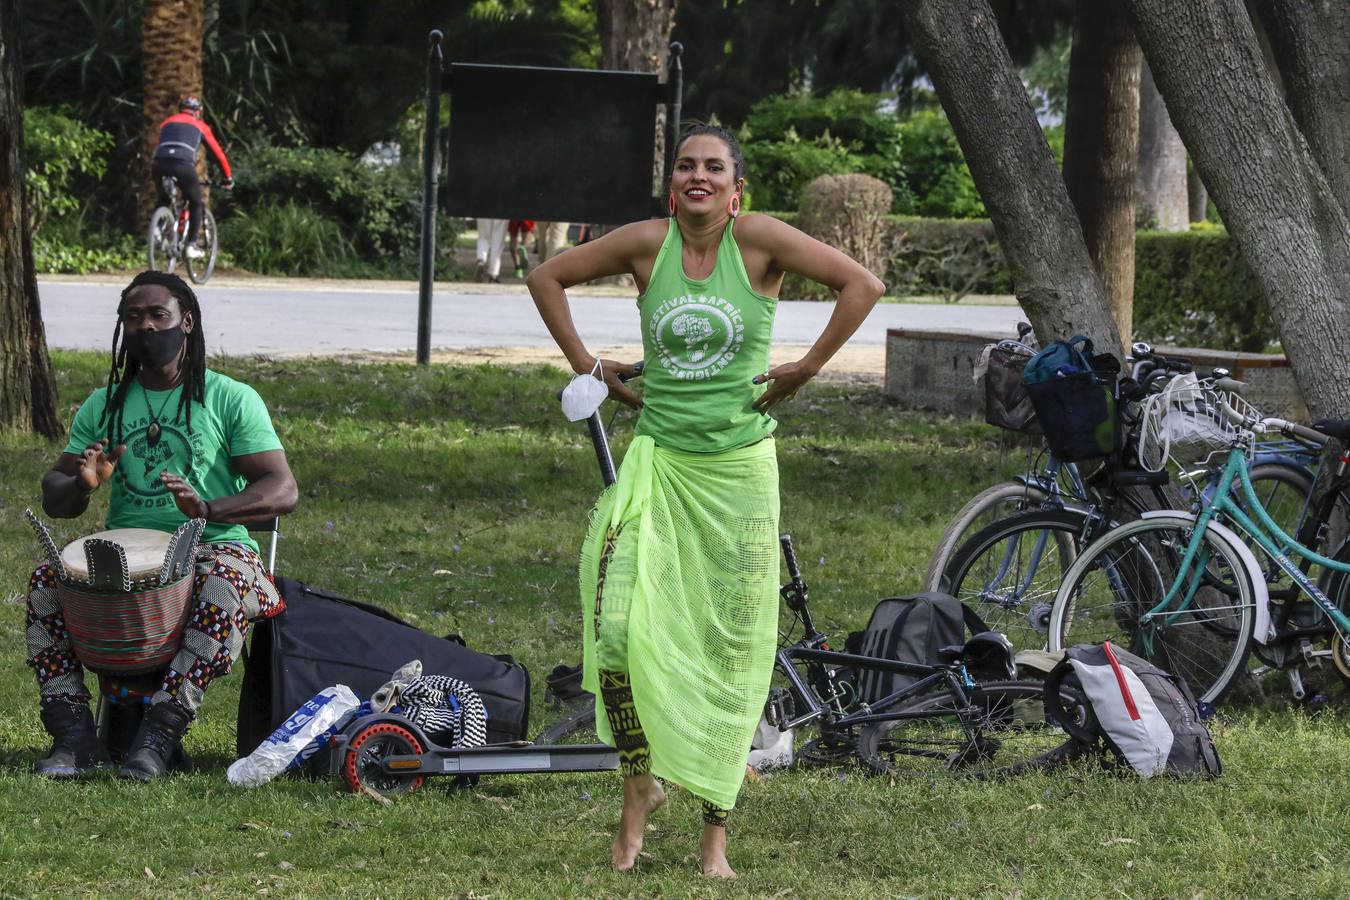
(323, 638)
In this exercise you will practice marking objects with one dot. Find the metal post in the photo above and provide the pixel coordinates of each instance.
(676, 101)
(427, 268)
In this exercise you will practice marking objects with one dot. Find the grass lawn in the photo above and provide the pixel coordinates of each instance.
(456, 497)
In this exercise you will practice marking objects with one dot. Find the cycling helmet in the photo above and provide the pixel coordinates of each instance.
(190, 104)
(990, 654)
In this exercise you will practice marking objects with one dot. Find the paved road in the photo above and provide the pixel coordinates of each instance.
(283, 318)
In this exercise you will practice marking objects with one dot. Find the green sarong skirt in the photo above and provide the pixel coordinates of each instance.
(679, 588)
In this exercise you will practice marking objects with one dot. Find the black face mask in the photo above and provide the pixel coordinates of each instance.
(153, 349)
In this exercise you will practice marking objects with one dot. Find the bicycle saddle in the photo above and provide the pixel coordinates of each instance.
(1337, 428)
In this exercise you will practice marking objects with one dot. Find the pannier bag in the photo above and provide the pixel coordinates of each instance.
(911, 629)
(1072, 393)
(1006, 401)
(1146, 717)
(324, 638)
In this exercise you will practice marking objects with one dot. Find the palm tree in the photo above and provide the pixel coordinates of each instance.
(171, 67)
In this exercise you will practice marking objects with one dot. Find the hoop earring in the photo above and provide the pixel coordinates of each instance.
(670, 203)
(734, 205)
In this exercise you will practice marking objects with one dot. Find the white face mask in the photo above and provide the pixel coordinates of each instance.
(584, 394)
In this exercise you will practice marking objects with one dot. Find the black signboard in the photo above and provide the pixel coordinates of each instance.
(557, 145)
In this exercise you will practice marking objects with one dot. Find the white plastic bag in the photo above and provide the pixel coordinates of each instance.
(315, 717)
(770, 747)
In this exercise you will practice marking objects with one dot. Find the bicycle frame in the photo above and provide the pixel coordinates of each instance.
(1268, 535)
(957, 680)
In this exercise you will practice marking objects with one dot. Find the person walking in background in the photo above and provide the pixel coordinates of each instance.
(491, 240)
(550, 239)
(521, 230)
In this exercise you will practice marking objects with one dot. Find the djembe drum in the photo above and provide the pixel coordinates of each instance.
(125, 594)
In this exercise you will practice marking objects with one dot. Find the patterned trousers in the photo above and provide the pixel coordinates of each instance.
(232, 588)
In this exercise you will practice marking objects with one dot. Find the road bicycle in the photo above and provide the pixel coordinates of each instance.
(948, 717)
(166, 240)
(1186, 589)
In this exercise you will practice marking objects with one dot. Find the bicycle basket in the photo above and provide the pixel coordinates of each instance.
(1184, 423)
(1006, 401)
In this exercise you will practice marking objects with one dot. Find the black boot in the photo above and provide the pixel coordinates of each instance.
(156, 745)
(75, 747)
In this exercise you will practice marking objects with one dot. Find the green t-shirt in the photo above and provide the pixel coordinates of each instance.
(233, 422)
(703, 342)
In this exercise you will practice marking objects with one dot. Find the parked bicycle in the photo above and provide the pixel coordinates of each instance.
(166, 241)
(1009, 569)
(1185, 589)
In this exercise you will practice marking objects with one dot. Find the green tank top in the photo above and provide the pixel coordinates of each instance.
(703, 340)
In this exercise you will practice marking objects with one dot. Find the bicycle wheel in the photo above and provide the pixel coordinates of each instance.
(160, 253)
(199, 270)
(986, 507)
(1008, 572)
(1127, 572)
(1004, 731)
(577, 727)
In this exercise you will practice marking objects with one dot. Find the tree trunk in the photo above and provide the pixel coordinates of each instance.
(635, 37)
(1197, 195)
(1013, 168)
(171, 68)
(1274, 197)
(1164, 198)
(1310, 40)
(1101, 146)
(27, 383)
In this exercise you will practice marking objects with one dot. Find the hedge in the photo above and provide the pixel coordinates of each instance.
(1191, 289)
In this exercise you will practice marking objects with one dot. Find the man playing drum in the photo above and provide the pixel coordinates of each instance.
(177, 441)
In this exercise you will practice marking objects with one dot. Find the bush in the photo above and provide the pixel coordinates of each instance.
(776, 170)
(366, 219)
(64, 159)
(289, 239)
(847, 212)
(63, 247)
(949, 258)
(936, 173)
(378, 209)
(790, 139)
(1194, 289)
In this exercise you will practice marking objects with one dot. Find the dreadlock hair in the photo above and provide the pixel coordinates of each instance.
(722, 135)
(125, 367)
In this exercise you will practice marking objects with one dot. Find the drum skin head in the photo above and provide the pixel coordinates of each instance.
(144, 549)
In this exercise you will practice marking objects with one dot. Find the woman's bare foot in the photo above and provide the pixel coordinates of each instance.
(712, 852)
(642, 795)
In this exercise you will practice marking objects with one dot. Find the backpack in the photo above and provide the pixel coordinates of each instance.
(1071, 390)
(1145, 716)
(910, 629)
(324, 638)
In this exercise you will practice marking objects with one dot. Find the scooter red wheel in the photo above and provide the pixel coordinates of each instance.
(361, 769)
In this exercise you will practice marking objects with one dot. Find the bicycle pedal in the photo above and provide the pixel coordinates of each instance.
(780, 709)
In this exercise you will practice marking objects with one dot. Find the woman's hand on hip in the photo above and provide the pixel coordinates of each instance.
(784, 382)
(616, 373)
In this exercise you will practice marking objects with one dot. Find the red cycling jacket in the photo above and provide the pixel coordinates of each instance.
(181, 136)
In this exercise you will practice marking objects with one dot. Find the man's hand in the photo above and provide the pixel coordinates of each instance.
(96, 466)
(227, 184)
(186, 498)
(785, 381)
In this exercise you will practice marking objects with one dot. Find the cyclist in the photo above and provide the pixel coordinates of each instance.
(180, 139)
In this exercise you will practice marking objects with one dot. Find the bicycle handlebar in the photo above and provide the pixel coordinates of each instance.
(1268, 423)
